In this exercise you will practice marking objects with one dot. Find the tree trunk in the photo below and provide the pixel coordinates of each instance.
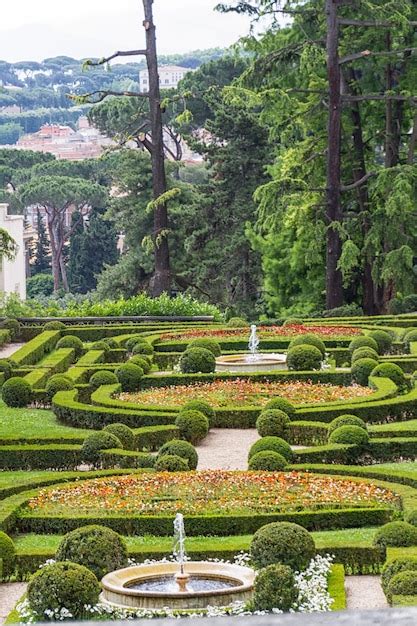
(161, 280)
(334, 287)
(54, 256)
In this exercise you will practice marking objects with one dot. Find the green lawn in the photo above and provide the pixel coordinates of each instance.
(406, 466)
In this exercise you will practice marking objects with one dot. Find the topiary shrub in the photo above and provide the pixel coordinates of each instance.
(274, 588)
(140, 360)
(273, 444)
(267, 461)
(193, 426)
(207, 343)
(94, 443)
(396, 534)
(273, 422)
(303, 358)
(98, 548)
(383, 339)
(132, 341)
(281, 404)
(100, 345)
(362, 369)
(16, 392)
(390, 569)
(364, 353)
(363, 342)
(7, 553)
(123, 433)
(58, 382)
(203, 407)
(355, 435)
(309, 340)
(346, 420)
(143, 347)
(292, 321)
(391, 371)
(6, 368)
(71, 341)
(237, 322)
(410, 335)
(55, 325)
(171, 463)
(282, 542)
(402, 584)
(184, 449)
(12, 326)
(112, 343)
(103, 377)
(195, 360)
(63, 585)
(129, 376)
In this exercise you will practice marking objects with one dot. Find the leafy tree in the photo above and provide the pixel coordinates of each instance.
(41, 252)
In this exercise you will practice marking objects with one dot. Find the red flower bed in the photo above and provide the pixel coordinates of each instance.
(265, 332)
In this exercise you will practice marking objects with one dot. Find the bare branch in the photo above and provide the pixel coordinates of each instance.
(119, 53)
(358, 183)
(381, 97)
(343, 21)
(369, 53)
(103, 94)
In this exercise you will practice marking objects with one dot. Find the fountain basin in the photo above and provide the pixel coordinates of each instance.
(262, 362)
(230, 582)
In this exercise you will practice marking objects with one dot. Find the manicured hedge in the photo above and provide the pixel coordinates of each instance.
(91, 357)
(37, 348)
(40, 457)
(4, 337)
(59, 360)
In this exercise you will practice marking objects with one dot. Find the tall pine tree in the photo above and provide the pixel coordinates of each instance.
(41, 252)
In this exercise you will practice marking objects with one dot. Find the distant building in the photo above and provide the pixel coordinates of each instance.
(169, 77)
(13, 273)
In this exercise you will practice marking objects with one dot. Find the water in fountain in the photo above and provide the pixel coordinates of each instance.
(253, 343)
(179, 541)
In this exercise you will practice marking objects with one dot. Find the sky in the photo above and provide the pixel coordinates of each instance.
(38, 29)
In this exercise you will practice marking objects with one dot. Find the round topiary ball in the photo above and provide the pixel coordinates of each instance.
(193, 426)
(184, 449)
(363, 342)
(355, 435)
(207, 343)
(129, 376)
(123, 433)
(346, 420)
(391, 568)
(383, 339)
(16, 392)
(267, 461)
(100, 345)
(396, 534)
(171, 463)
(139, 359)
(195, 360)
(98, 548)
(94, 443)
(402, 584)
(273, 422)
(237, 322)
(63, 585)
(364, 353)
(283, 405)
(6, 368)
(309, 340)
(71, 341)
(203, 407)
(303, 358)
(143, 347)
(58, 382)
(362, 369)
(391, 371)
(410, 336)
(272, 444)
(54, 325)
(132, 341)
(7, 552)
(13, 326)
(292, 321)
(274, 588)
(103, 377)
(282, 542)
(112, 343)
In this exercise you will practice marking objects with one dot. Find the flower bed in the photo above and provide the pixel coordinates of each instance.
(208, 493)
(265, 332)
(244, 392)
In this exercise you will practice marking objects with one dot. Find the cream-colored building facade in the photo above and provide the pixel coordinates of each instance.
(13, 273)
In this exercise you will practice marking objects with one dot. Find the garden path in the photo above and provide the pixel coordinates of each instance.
(365, 593)
(9, 595)
(8, 350)
(226, 448)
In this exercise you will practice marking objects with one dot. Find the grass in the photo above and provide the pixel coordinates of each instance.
(336, 587)
(406, 466)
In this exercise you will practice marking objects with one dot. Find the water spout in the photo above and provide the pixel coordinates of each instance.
(181, 577)
(253, 342)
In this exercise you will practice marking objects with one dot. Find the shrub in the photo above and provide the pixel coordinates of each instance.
(100, 345)
(129, 376)
(193, 426)
(390, 569)
(362, 369)
(267, 461)
(63, 585)
(291, 321)
(273, 444)
(6, 368)
(111, 342)
(143, 347)
(207, 343)
(363, 342)
(402, 584)
(203, 407)
(55, 325)
(71, 341)
(40, 286)
(396, 534)
(132, 341)
(7, 551)
(410, 336)
(391, 371)
(355, 435)
(272, 422)
(283, 405)
(16, 392)
(309, 340)
(346, 420)
(195, 360)
(98, 548)
(237, 322)
(282, 542)
(346, 310)
(58, 382)
(123, 433)
(304, 357)
(274, 588)
(383, 339)
(94, 443)
(410, 303)
(138, 359)
(103, 377)
(364, 353)
(171, 463)
(12, 326)
(184, 449)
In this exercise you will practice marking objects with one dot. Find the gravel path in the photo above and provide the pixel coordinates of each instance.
(365, 593)
(10, 593)
(8, 350)
(226, 448)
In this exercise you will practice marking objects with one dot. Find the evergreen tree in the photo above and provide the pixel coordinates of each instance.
(42, 259)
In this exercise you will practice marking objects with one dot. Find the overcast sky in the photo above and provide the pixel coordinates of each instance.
(37, 29)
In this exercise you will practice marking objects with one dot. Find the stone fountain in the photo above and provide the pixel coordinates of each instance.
(178, 585)
(254, 361)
